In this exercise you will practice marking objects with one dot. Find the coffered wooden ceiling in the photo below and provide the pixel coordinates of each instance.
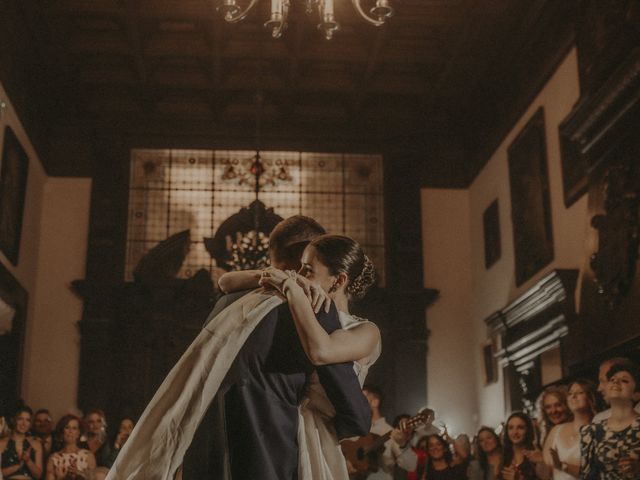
(173, 72)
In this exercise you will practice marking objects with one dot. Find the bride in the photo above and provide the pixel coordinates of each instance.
(334, 268)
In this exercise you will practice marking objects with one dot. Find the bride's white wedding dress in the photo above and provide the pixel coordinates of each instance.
(320, 454)
(158, 443)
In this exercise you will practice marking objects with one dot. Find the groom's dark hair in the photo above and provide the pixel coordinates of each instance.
(290, 237)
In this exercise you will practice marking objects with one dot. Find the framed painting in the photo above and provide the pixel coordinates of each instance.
(13, 314)
(489, 362)
(530, 200)
(491, 231)
(13, 185)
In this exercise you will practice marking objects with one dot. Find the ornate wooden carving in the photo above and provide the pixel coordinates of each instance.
(165, 259)
(606, 30)
(610, 296)
(600, 154)
(614, 263)
(133, 349)
(535, 322)
(599, 121)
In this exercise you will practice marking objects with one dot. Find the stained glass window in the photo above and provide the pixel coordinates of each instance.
(175, 190)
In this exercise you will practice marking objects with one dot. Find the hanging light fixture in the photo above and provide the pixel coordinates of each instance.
(377, 15)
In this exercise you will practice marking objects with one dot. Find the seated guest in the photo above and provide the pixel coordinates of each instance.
(488, 462)
(95, 434)
(610, 450)
(602, 386)
(71, 461)
(519, 449)
(21, 454)
(553, 408)
(440, 464)
(42, 428)
(108, 453)
(562, 447)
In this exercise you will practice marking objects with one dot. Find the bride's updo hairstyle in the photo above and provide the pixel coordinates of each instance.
(344, 255)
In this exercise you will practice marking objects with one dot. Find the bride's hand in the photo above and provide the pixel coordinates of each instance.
(315, 293)
(274, 278)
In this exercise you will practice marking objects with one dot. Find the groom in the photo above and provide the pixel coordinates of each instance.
(254, 419)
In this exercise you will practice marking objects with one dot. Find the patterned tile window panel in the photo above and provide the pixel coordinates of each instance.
(175, 190)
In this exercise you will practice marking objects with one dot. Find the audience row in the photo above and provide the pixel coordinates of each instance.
(568, 439)
(30, 448)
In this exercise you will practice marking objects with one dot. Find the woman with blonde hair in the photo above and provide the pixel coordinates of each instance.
(562, 447)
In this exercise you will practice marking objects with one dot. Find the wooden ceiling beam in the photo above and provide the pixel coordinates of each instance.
(362, 87)
(132, 21)
(58, 68)
(213, 30)
(292, 80)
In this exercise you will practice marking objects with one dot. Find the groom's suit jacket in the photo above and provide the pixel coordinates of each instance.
(260, 396)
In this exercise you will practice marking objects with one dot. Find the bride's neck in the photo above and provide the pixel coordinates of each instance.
(342, 303)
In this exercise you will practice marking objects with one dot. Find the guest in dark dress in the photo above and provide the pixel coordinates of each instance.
(488, 464)
(519, 447)
(109, 451)
(440, 465)
(21, 454)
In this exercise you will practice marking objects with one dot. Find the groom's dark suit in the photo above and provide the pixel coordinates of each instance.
(262, 392)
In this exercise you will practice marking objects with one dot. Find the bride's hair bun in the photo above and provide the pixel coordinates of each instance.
(357, 288)
(344, 255)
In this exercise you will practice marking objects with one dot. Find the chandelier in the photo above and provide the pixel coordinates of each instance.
(277, 22)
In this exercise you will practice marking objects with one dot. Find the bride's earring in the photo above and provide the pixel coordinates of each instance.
(333, 288)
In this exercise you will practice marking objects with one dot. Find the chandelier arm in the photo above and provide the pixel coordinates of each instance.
(373, 21)
(240, 16)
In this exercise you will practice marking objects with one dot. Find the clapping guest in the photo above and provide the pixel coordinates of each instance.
(108, 453)
(440, 465)
(562, 447)
(95, 435)
(71, 461)
(519, 449)
(21, 454)
(610, 450)
(488, 462)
